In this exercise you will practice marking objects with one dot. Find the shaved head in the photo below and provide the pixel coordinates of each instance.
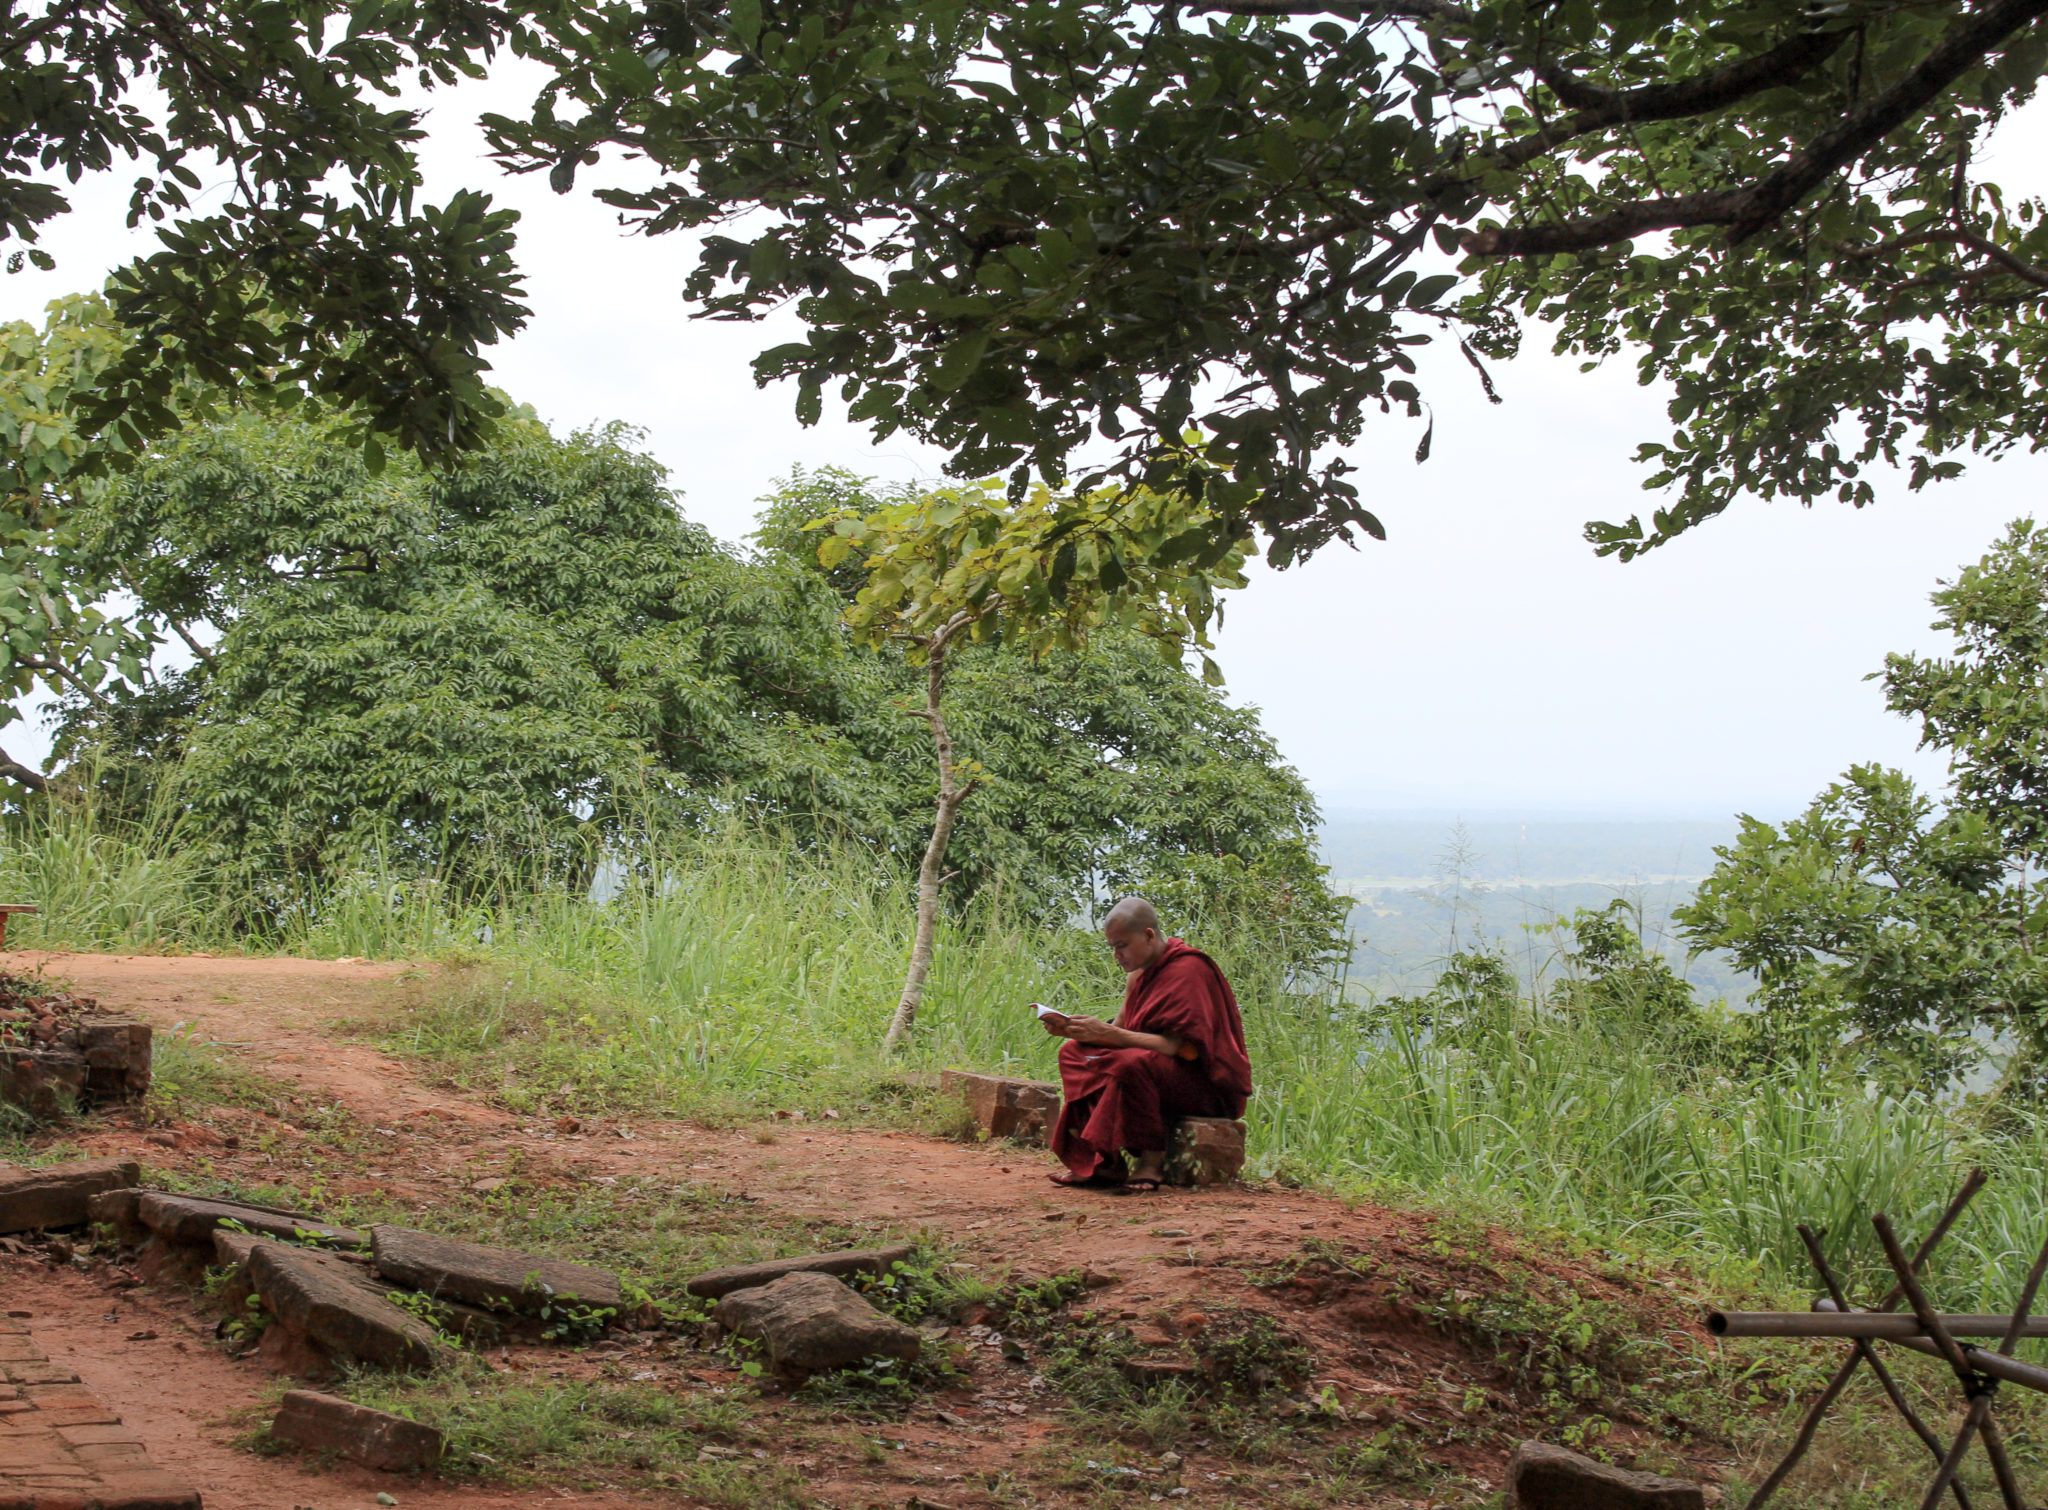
(1134, 935)
(1135, 911)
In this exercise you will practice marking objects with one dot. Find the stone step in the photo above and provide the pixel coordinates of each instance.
(58, 1195)
(717, 1282)
(374, 1438)
(326, 1314)
(479, 1275)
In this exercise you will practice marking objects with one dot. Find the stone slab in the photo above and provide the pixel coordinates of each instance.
(325, 1423)
(1006, 1107)
(190, 1220)
(479, 1275)
(714, 1283)
(57, 1195)
(1543, 1477)
(326, 1302)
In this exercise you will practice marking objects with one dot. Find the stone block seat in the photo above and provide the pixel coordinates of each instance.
(1200, 1151)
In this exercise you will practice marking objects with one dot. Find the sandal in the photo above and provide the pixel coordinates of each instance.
(1142, 1184)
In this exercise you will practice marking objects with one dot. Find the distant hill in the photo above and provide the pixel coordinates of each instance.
(1427, 884)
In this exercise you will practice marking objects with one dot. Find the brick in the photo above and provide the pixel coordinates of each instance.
(21, 1350)
(98, 1434)
(32, 1451)
(56, 1195)
(61, 1496)
(325, 1423)
(37, 1373)
(66, 1392)
(77, 1415)
(147, 1489)
(1006, 1107)
(112, 1457)
(480, 1275)
(716, 1282)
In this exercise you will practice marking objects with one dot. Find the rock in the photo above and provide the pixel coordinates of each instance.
(1146, 1372)
(810, 1323)
(479, 1275)
(1205, 1151)
(189, 1220)
(324, 1423)
(58, 1195)
(716, 1282)
(47, 1082)
(330, 1313)
(1004, 1107)
(116, 1209)
(1542, 1477)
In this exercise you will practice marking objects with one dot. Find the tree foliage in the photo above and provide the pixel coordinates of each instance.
(524, 658)
(1907, 927)
(1056, 237)
(471, 663)
(1058, 229)
(318, 274)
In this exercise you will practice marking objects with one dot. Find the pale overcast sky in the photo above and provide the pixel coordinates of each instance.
(1481, 660)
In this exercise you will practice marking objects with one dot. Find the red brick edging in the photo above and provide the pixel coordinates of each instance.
(61, 1449)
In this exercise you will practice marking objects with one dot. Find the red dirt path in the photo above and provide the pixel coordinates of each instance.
(1174, 1251)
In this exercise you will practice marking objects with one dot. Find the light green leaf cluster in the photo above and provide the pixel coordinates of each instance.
(1047, 570)
(1908, 927)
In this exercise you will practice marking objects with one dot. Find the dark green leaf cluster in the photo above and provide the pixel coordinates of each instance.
(1062, 229)
(317, 275)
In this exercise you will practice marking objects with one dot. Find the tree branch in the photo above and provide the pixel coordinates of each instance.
(1747, 211)
(56, 18)
(1399, 10)
(69, 677)
(34, 780)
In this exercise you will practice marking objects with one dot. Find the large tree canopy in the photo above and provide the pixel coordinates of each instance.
(1054, 228)
(534, 656)
(457, 666)
(1070, 234)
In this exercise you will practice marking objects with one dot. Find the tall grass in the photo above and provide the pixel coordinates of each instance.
(733, 968)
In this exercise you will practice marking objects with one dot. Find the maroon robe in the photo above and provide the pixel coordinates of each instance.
(1122, 1099)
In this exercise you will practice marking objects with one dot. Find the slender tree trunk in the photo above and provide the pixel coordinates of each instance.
(932, 871)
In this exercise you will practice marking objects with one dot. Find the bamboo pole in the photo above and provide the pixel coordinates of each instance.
(1870, 1325)
(1810, 1423)
(1839, 1301)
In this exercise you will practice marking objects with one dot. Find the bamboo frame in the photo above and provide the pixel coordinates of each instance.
(1978, 1371)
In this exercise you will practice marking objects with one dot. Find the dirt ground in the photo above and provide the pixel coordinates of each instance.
(150, 1354)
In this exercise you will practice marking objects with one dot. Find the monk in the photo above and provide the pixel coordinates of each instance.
(1176, 1050)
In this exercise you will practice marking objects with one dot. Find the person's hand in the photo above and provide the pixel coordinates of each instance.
(1093, 1030)
(1056, 1024)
